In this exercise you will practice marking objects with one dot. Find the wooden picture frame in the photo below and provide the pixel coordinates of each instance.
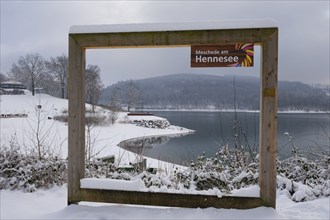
(259, 32)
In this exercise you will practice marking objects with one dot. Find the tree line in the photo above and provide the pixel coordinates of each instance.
(50, 76)
(202, 91)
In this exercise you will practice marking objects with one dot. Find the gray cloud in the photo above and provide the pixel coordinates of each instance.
(29, 27)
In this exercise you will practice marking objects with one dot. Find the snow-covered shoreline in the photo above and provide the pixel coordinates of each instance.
(106, 137)
(238, 110)
(129, 131)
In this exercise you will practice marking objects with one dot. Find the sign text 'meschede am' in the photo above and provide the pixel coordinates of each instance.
(226, 55)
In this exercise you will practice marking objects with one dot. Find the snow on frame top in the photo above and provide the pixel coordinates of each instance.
(151, 27)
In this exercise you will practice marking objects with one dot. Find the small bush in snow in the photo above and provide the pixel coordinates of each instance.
(28, 172)
(91, 118)
(98, 168)
(228, 170)
(303, 179)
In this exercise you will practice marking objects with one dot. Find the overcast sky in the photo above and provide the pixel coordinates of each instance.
(42, 27)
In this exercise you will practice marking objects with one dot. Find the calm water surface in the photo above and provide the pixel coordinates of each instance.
(309, 131)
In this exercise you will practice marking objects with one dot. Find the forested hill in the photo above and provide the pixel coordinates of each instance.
(191, 91)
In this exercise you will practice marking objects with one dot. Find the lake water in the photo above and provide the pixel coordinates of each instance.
(310, 132)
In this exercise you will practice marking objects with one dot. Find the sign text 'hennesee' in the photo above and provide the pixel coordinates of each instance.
(226, 55)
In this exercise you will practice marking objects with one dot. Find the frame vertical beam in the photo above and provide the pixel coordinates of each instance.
(76, 151)
(268, 120)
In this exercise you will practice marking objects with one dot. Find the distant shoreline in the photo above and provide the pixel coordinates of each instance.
(238, 110)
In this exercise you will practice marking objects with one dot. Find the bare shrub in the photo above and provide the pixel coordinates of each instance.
(29, 172)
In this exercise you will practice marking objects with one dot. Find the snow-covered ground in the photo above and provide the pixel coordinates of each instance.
(52, 204)
(54, 133)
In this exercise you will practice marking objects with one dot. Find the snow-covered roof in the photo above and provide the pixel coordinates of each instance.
(12, 82)
(177, 26)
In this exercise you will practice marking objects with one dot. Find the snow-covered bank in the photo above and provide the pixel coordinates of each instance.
(51, 204)
(105, 137)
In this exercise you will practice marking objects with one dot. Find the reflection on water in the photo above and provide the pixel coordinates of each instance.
(137, 145)
(142, 145)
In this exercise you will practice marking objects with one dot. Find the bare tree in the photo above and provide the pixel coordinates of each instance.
(133, 95)
(29, 70)
(93, 85)
(3, 77)
(49, 85)
(58, 67)
(39, 132)
(114, 103)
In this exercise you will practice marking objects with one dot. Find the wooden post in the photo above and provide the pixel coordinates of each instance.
(76, 120)
(268, 120)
